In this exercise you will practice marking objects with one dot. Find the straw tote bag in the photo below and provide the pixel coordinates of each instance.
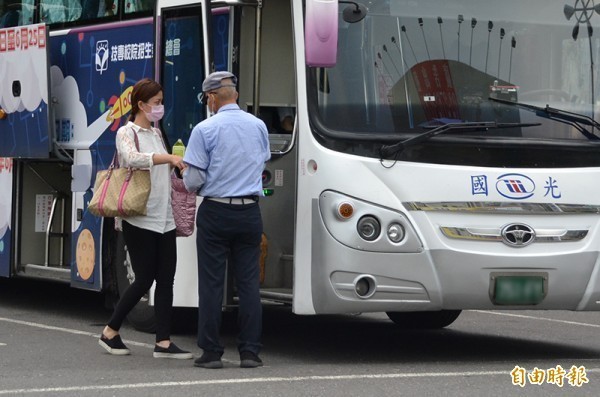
(120, 191)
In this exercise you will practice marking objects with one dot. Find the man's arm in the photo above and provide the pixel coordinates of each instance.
(193, 178)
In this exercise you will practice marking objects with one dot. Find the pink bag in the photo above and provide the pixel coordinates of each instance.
(184, 207)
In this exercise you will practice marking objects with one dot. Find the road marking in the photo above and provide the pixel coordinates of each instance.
(537, 318)
(85, 333)
(256, 380)
(69, 331)
(265, 380)
(2, 344)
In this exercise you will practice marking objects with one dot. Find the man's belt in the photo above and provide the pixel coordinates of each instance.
(235, 200)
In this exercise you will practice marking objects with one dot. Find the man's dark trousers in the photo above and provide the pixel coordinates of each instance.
(228, 230)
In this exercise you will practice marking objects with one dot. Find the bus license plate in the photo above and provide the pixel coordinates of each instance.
(518, 290)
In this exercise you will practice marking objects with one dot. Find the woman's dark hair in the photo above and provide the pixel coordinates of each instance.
(143, 91)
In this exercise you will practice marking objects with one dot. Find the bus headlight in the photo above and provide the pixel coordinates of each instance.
(368, 228)
(395, 232)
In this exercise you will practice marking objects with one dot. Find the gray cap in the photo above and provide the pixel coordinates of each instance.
(214, 80)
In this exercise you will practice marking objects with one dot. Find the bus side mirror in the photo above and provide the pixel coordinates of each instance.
(321, 33)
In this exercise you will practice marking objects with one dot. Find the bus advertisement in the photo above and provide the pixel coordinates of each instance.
(427, 158)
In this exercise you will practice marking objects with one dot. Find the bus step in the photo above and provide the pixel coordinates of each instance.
(45, 272)
(283, 295)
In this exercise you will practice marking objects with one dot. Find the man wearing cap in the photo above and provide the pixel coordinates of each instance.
(226, 156)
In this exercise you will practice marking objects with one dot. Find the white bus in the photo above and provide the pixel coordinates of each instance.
(427, 157)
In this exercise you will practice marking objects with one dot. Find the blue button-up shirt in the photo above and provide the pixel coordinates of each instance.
(229, 151)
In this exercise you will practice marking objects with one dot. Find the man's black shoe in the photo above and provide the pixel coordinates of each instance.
(210, 360)
(249, 360)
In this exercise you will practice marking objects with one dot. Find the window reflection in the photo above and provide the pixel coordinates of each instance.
(138, 5)
(57, 12)
(54, 11)
(412, 65)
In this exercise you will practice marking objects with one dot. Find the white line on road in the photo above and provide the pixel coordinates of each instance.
(260, 380)
(266, 380)
(2, 344)
(85, 333)
(68, 330)
(537, 318)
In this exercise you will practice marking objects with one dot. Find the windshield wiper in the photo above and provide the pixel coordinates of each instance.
(387, 150)
(575, 120)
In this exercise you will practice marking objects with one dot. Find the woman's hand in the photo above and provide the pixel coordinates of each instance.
(177, 162)
(173, 160)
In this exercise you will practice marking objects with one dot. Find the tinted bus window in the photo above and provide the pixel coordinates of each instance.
(91, 9)
(182, 72)
(138, 5)
(55, 11)
(10, 13)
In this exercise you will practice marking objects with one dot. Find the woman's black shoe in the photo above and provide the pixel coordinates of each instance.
(114, 346)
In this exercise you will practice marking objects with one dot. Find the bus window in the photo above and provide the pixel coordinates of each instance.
(182, 71)
(138, 5)
(55, 11)
(98, 8)
(111, 7)
(10, 13)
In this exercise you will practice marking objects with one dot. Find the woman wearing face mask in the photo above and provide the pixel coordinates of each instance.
(150, 239)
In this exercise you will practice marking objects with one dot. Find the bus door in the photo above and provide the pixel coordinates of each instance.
(268, 78)
(182, 61)
(24, 125)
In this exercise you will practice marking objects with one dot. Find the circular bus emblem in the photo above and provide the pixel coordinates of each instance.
(515, 186)
(518, 235)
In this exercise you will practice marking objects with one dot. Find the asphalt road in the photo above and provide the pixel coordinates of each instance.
(48, 347)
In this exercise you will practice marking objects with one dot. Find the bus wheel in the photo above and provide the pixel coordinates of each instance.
(424, 320)
(142, 314)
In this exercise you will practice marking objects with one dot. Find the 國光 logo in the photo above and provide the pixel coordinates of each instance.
(576, 376)
(515, 186)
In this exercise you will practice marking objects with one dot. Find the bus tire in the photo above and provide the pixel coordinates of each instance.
(424, 320)
(142, 315)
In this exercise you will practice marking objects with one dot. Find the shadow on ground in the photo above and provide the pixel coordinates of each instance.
(323, 339)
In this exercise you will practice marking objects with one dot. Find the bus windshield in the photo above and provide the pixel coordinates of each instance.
(411, 66)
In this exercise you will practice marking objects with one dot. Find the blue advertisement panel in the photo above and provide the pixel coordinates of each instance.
(24, 92)
(92, 74)
(6, 183)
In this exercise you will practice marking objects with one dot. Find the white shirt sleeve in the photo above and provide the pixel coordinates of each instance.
(128, 153)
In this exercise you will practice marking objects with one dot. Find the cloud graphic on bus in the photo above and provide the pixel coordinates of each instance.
(24, 80)
(68, 107)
